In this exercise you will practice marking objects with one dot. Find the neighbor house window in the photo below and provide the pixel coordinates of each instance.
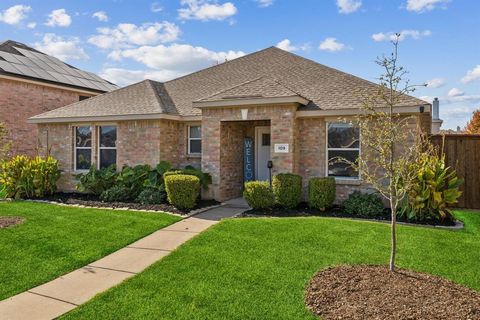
(343, 142)
(83, 148)
(107, 146)
(194, 139)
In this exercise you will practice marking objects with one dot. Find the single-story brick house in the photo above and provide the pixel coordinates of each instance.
(32, 82)
(287, 107)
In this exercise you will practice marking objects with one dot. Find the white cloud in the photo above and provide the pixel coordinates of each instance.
(265, 3)
(31, 25)
(404, 34)
(435, 83)
(472, 75)
(348, 6)
(62, 48)
(156, 7)
(60, 18)
(179, 58)
(454, 92)
(420, 6)
(101, 16)
(123, 77)
(332, 45)
(126, 35)
(15, 15)
(205, 10)
(286, 45)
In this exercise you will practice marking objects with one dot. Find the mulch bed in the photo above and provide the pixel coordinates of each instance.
(93, 201)
(303, 210)
(6, 222)
(373, 292)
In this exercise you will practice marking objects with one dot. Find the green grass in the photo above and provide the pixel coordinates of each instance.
(55, 240)
(258, 268)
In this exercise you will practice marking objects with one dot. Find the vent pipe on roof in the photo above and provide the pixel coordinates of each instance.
(436, 121)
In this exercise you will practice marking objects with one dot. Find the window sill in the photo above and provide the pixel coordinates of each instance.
(194, 155)
(347, 181)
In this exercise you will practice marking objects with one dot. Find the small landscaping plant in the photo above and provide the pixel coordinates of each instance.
(435, 188)
(366, 205)
(321, 192)
(134, 178)
(151, 195)
(97, 181)
(117, 193)
(24, 177)
(287, 188)
(182, 190)
(259, 195)
(205, 178)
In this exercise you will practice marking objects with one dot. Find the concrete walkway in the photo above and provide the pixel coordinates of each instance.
(54, 298)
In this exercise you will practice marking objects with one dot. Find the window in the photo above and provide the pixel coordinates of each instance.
(83, 148)
(194, 139)
(107, 146)
(343, 142)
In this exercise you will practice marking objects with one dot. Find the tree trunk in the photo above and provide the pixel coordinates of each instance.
(394, 235)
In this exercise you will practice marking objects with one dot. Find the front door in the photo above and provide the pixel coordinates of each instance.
(262, 153)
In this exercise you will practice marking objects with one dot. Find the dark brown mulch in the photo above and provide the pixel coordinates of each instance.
(93, 201)
(303, 210)
(373, 292)
(6, 222)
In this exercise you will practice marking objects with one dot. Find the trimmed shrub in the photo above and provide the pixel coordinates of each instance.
(364, 204)
(151, 196)
(117, 193)
(259, 195)
(205, 178)
(23, 177)
(182, 190)
(287, 188)
(97, 181)
(321, 192)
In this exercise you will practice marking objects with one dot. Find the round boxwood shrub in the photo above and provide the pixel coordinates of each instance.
(115, 193)
(182, 190)
(321, 192)
(259, 195)
(151, 195)
(363, 204)
(287, 188)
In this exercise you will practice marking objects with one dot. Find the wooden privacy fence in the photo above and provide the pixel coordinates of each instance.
(462, 152)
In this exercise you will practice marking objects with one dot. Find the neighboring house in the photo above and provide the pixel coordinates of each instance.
(290, 107)
(32, 82)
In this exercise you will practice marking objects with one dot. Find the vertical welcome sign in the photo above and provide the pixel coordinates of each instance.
(248, 160)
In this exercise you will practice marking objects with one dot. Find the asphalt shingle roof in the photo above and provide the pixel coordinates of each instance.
(269, 72)
(21, 61)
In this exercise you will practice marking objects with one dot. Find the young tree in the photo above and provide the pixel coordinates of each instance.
(473, 126)
(390, 142)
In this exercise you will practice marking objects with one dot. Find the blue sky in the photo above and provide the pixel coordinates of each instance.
(126, 41)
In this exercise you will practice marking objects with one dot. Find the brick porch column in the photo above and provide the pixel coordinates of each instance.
(283, 131)
(211, 151)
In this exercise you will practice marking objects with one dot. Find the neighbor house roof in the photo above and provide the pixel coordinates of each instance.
(21, 61)
(271, 72)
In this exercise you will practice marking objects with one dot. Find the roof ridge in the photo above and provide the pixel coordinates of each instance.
(161, 103)
(221, 64)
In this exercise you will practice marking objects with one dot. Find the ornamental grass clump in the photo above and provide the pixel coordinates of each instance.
(23, 177)
(287, 188)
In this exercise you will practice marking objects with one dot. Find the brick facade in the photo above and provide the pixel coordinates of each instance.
(21, 100)
(223, 133)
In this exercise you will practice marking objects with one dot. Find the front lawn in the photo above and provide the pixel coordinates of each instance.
(258, 268)
(55, 240)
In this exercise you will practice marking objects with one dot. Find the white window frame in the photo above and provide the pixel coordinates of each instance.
(189, 139)
(327, 149)
(81, 148)
(99, 146)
